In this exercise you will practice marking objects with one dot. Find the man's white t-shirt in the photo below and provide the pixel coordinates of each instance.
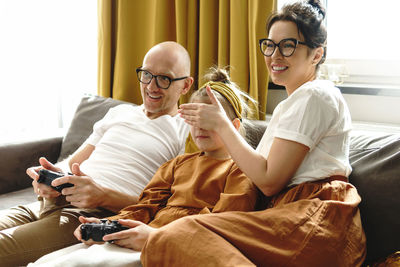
(130, 147)
(315, 115)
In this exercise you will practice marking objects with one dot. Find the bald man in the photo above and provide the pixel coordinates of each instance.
(113, 165)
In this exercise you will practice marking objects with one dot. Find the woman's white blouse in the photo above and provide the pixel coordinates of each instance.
(315, 115)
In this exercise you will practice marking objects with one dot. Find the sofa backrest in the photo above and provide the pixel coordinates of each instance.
(90, 110)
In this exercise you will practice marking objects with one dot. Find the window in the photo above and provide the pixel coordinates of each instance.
(48, 61)
(362, 36)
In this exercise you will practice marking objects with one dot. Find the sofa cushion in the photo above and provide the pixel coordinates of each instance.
(15, 198)
(17, 157)
(254, 131)
(375, 159)
(90, 110)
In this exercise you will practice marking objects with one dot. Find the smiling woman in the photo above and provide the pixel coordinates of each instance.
(48, 60)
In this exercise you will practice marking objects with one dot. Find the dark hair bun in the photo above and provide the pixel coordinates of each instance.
(216, 74)
(318, 6)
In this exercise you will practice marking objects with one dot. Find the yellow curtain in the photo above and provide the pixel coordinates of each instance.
(215, 32)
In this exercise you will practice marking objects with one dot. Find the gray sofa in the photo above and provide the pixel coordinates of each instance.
(375, 158)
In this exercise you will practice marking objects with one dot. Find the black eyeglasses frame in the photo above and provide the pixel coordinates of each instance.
(139, 69)
(296, 43)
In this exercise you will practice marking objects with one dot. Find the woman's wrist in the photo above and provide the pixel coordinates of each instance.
(223, 123)
(225, 126)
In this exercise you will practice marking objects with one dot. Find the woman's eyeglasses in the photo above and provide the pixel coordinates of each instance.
(286, 46)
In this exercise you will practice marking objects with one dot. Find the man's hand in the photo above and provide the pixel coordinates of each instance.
(133, 238)
(85, 193)
(78, 234)
(42, 189)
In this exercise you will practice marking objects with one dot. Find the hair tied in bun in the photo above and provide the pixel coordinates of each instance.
(317, 5)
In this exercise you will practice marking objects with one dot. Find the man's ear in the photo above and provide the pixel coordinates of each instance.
(236, 123)
(318, 54)
(188, 84)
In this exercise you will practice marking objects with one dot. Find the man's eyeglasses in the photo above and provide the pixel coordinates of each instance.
(286, 46)
(162, 81)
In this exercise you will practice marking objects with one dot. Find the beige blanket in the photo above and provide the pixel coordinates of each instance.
(96, 255)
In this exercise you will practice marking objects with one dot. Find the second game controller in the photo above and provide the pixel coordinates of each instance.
(96, 231)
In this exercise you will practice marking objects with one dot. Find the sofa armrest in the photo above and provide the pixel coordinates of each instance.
(17, 157)
(375, 160)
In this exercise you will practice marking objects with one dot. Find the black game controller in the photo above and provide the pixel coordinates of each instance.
(96, 231)
(46, 177)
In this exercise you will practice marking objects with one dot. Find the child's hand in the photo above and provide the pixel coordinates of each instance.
(133, 238)
(77, 232)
